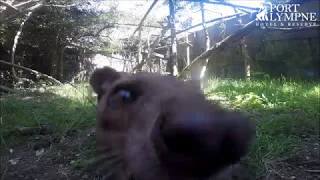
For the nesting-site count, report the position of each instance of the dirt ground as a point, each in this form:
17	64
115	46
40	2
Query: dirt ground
305	165
47	158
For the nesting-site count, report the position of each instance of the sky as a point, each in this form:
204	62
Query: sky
139	7
126	5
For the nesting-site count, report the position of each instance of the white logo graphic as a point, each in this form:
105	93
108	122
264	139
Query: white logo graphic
285	15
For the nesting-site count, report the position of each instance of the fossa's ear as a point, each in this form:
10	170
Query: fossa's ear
102	77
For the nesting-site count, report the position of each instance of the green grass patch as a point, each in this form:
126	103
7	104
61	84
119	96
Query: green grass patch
63	108
284	111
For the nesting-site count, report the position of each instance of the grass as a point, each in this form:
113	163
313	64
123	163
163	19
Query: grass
284	111
63	108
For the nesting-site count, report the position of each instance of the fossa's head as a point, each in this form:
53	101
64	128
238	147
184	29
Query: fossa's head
161	128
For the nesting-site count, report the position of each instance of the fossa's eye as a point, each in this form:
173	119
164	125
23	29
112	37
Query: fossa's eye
125	95
121	97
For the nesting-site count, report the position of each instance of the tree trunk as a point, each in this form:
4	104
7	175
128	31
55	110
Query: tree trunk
149	61
139	55
173	51
61	63
15	43
167	57
187	49
124	66
246	58
203	75
160	65
54	59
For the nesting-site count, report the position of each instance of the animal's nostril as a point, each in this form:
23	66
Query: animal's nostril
182	132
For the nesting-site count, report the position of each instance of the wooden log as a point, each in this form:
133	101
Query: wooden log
33	71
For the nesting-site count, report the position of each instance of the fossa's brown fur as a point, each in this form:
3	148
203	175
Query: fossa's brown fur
164	129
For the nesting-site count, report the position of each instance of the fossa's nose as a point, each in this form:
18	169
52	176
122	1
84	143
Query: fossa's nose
188	131
201	141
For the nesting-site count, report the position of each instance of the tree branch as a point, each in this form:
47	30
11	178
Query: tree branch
13	9
92	34
128	24
153	46
7	6
33	71
207	22
23	4
238	35
60	6
21	13
14	16
144	17
225	4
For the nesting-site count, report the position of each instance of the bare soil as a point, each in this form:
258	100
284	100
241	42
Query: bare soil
46	157
305	165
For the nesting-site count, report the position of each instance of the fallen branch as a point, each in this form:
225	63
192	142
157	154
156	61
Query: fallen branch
33	71
6	89
238	35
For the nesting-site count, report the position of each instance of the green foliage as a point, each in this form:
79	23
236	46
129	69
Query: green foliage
56	39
